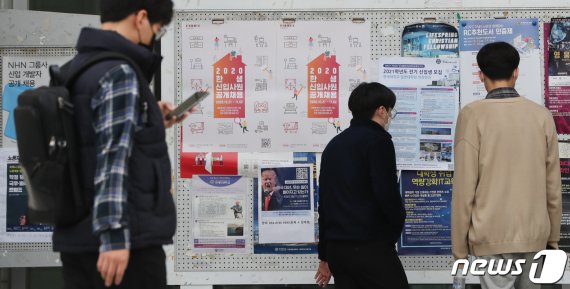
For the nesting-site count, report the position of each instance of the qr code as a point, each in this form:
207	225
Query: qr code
265	143
302	173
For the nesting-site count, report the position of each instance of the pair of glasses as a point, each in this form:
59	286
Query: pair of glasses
393	113
160	33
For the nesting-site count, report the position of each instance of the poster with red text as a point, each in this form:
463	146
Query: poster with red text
274	87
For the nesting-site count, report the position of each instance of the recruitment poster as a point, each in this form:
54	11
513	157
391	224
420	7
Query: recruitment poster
219	214
557	69
427	199
521	33
276	87
286	205
18	75
427	90
430	40
14	226
565	221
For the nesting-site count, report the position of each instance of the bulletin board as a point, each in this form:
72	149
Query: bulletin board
187	268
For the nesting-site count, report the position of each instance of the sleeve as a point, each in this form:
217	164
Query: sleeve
464	184
385	187
115	120
553	183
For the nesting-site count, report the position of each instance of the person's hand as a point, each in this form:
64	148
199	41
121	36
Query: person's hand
166	107
112	265
323	275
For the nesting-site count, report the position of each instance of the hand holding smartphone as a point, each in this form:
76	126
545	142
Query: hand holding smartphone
188	104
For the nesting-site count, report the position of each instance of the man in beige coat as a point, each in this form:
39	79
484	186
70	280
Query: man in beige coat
507	198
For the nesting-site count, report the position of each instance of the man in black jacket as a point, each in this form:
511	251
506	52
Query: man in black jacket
125	168
361	213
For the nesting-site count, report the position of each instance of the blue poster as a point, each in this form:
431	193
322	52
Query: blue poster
427	199
291	248
430	40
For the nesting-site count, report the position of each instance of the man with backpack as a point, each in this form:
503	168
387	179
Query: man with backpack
124	170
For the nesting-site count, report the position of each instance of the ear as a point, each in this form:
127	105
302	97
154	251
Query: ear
140	17
516	74
481	76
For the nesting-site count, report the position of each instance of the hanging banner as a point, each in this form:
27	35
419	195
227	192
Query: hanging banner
430	40
557	69
276	87
20	73
521	33
219	214
427	199
14	226
427	93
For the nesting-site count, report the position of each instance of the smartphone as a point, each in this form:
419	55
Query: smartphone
188	104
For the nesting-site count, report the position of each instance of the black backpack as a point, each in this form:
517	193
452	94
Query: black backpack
47	145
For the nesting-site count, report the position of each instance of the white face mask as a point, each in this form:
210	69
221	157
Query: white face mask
387	125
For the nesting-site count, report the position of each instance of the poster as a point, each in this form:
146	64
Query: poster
286	205
557	69
276	87
427	199
14	225
565	221
18	75
521	33
427	93
430	40
219	214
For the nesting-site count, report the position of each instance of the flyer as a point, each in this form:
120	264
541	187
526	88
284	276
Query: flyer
565	221
219	214
427	199
14	226
427	93
521	33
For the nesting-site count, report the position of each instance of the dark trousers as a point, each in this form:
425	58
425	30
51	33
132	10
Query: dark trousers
146	269
359	265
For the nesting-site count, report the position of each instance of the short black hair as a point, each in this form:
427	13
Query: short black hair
159	11
498	60
368	97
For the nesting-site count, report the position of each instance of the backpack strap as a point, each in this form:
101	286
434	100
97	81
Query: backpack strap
106	56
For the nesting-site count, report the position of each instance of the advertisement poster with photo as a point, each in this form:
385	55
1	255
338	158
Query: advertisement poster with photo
302	245
557	69
430	40
427	199
276	87
21	73
521	33
219	214
14	226
427	90
565	221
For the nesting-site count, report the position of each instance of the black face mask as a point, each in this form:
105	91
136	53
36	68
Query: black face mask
149	46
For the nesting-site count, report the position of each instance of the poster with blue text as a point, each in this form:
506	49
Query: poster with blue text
427	199
520	33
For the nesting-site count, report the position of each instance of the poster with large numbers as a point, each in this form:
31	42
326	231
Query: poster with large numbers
427	93
521	33
14	224
275	86
20	73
